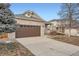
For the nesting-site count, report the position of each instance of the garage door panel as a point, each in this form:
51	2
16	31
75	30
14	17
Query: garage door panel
28	31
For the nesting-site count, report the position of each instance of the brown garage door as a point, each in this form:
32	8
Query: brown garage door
27	31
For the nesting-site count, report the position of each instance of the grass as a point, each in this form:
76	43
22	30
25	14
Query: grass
71	40
13	49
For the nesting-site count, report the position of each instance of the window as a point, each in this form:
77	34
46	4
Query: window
31	26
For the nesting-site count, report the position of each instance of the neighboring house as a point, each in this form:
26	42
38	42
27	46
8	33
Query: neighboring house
62	26
74	30
29	24
57	25
48	27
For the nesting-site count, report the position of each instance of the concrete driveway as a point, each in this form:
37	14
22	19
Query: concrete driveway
43	46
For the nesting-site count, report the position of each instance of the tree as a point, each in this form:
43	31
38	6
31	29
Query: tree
70	12
7	19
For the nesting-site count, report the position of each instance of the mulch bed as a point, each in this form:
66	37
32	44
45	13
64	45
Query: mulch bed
14	49
71	40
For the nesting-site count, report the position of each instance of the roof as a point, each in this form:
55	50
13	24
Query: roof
55	20
31	16
74	24
59	20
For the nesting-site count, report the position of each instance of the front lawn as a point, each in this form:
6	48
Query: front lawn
14	49
71	40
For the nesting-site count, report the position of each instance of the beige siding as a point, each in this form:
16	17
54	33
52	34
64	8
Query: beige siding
73	32
11	36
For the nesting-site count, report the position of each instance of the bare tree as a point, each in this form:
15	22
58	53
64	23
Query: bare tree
70	12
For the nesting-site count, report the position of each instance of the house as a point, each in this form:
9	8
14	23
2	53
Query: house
29	24
47	27
63	26
56	25
73	30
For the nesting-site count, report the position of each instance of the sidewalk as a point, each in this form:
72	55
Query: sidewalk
43	46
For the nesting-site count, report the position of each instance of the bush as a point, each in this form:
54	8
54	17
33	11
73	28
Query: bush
55	33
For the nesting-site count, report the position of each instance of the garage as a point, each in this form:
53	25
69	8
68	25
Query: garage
27	31
29	24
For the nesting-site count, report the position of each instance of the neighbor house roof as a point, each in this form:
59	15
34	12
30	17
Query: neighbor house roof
54	20
29	15
62	20
74	24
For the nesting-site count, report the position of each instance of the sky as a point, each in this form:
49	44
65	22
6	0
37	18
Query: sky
47	11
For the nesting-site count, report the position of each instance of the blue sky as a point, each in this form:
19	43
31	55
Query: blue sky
47	11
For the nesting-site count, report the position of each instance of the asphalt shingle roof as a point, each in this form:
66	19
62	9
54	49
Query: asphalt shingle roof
34	17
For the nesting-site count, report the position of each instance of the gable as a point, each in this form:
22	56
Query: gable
29	15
